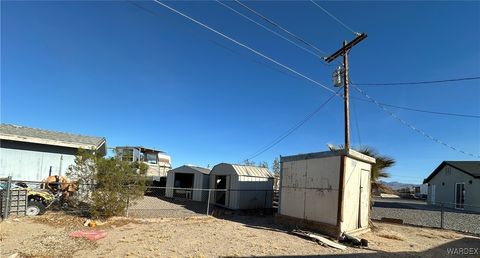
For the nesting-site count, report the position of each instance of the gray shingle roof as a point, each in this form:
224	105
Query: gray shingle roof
28	134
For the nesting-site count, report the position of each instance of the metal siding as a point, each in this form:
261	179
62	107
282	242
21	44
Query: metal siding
322	189
32	165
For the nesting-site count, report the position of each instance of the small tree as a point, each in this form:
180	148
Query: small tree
276	173
249	162
110	184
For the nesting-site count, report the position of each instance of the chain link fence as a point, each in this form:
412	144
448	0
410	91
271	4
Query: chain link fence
171	202
444	215
156	202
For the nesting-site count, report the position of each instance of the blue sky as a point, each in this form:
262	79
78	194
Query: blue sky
146	76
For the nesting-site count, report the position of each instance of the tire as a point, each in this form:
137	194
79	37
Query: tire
35	208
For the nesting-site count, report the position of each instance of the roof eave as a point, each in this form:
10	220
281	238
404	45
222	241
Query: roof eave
36	140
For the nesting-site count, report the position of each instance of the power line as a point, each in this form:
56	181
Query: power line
291	130
409	125
270	30
335	18
431	112
280	27
355	116
419	110
310	79
247	47
418	82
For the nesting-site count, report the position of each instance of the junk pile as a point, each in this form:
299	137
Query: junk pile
345	239
319	239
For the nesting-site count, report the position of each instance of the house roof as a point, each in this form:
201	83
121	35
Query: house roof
471	168
140	148
241	170
183	169
46	137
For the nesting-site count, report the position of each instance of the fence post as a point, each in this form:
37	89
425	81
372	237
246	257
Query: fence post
7	200
208	202
441	216
128	204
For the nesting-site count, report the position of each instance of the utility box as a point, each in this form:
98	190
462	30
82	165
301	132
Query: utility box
314	194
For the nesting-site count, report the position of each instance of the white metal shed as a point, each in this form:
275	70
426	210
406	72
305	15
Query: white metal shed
314	195
186	182
241	187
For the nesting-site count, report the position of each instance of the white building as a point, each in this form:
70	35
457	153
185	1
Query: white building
455	184
241	187
158	162
314	195
30	154
190	179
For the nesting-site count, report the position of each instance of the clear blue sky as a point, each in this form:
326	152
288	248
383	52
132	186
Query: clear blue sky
150	77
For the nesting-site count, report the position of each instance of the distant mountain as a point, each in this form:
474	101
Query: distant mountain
397	185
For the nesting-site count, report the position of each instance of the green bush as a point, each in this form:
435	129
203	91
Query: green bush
108	185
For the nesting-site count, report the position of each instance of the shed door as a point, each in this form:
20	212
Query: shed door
363	210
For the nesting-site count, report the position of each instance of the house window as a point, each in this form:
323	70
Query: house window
151	158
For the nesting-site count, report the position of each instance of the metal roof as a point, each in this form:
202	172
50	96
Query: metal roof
342	152
183	169
41	136
471	168
242	170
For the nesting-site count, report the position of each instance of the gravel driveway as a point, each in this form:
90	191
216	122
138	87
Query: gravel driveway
153	207
428	216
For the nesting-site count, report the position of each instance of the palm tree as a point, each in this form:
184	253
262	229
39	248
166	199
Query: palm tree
379	169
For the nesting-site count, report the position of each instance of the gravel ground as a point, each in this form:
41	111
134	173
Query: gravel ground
163	207
464	222
229	236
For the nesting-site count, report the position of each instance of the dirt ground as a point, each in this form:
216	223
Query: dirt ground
231	236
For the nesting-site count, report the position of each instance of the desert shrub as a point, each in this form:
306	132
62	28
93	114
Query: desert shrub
107	184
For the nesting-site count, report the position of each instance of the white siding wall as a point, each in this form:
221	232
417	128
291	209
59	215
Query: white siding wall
309	189
32	165
445	183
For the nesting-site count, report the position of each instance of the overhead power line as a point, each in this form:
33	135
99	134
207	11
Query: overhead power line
247	47
310	79
409	125
417	109
291	130
272	22
272	31
419	82
336	19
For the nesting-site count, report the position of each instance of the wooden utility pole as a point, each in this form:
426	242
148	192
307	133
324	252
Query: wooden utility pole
346	109
344	52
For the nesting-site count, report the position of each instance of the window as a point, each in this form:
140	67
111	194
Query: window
151	158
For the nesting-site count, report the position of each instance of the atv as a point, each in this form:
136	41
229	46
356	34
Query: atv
38	201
